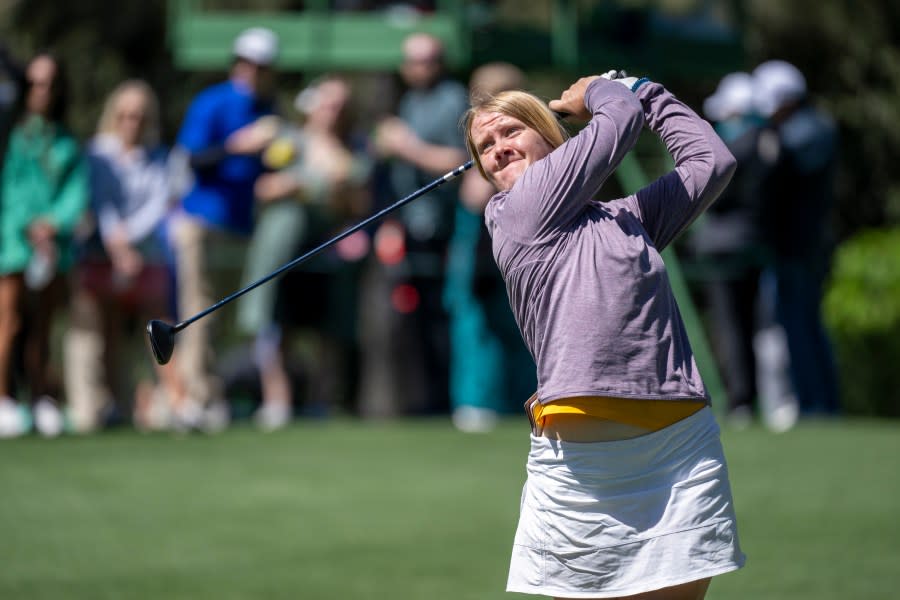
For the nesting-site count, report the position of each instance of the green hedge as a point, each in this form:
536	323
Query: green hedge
862	311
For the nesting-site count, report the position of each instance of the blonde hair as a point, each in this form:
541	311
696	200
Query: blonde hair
527	108
149	128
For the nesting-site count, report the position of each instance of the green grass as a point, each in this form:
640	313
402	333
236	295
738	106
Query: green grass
412	509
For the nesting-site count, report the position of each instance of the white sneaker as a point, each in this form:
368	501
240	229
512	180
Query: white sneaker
187	416
740	418
783	418
273	415
11	422
474	419
48	418
216	417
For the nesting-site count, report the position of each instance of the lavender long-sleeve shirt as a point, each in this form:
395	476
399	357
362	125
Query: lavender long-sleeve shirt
586	282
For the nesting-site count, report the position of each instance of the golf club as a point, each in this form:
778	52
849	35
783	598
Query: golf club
162	334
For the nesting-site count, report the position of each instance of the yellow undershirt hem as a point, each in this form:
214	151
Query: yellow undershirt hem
649	414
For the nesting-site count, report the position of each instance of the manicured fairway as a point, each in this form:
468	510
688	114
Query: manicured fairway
408	510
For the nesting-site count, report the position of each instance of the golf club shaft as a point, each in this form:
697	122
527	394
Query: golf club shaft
424	190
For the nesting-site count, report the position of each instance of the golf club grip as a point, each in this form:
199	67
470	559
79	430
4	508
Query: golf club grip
421	191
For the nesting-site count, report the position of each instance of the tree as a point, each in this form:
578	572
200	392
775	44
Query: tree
850	55
102	43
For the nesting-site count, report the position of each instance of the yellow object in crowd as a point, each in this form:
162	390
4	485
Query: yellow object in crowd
279	154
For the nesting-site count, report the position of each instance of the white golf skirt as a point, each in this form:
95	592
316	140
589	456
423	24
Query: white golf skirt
606	519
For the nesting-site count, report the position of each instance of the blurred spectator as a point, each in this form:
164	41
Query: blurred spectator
121	274
317	182
44	194
730	241
801	192
491	370
223	135
12	82
406	347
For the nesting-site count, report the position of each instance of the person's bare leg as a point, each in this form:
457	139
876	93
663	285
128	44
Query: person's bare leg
694	590
277	391
11	287
41	378
195	293
83	371
268	354
118	379
276	384
156	400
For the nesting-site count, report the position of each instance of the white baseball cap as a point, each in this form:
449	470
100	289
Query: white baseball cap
257	45
777	84
733	96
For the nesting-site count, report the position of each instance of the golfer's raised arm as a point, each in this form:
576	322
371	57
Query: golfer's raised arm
564	181
703	167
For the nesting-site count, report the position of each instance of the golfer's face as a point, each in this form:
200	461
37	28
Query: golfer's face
506	147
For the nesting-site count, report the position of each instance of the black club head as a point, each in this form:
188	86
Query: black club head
162	340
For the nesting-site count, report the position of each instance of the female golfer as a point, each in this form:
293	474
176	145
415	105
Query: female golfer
627	492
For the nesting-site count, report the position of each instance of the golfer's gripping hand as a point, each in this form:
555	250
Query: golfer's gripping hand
571	102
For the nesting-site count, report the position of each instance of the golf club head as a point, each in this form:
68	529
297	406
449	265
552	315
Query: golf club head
162	340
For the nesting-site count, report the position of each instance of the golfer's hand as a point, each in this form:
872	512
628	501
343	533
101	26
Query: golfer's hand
632	83
571	102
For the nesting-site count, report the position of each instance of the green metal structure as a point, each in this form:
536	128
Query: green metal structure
576	37
315	39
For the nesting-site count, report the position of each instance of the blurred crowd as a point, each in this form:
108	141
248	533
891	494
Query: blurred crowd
763	248
406	317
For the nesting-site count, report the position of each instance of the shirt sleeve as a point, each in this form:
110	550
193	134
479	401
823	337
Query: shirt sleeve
155	191
554	190
71	197
198	128
703	167
106	194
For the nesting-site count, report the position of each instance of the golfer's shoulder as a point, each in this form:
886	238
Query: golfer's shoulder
513	221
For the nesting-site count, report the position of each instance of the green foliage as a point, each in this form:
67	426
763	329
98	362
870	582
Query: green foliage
862	310
102	45
851	60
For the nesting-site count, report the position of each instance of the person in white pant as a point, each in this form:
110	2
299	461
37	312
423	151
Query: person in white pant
122	270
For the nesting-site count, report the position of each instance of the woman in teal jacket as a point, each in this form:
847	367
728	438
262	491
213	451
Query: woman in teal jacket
42	198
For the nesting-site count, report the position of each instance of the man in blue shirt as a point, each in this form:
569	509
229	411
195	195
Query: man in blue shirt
223	133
